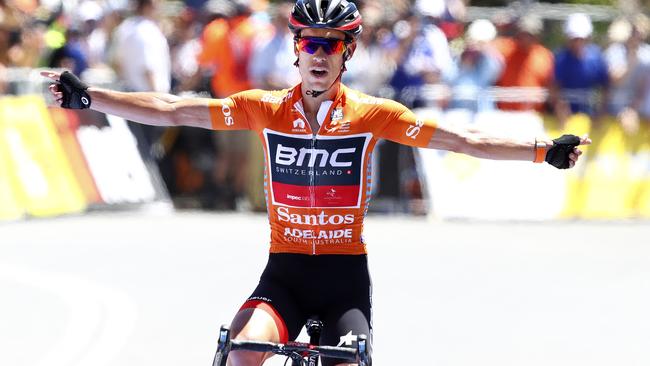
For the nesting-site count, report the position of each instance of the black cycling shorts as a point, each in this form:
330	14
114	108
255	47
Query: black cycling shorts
335	289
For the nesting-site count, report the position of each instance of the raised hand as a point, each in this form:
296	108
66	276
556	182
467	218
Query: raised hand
565	151
68	90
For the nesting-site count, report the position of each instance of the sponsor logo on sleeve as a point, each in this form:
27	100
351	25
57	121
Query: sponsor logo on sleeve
414	131
365	99
227	113
272	98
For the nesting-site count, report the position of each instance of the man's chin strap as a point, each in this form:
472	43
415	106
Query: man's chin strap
317	93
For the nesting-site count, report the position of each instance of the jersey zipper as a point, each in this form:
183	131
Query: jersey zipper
312	183
312	169
312	175
314	142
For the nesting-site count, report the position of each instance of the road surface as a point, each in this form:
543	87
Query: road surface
136	289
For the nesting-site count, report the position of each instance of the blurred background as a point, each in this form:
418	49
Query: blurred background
524	68
123	244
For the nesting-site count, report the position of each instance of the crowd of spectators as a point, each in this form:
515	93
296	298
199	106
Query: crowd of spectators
423	53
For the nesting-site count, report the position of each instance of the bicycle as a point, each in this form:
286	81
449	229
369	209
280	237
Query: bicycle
300	354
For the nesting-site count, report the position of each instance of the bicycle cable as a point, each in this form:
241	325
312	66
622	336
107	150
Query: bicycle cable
291	357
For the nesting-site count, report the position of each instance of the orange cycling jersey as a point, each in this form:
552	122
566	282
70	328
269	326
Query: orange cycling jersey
317	186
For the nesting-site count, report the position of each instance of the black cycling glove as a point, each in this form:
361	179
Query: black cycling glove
558	154
74	91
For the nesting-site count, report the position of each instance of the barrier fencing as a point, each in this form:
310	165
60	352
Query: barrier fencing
611	181
55	161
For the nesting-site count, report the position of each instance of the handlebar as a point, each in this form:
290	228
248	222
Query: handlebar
295	350
349	354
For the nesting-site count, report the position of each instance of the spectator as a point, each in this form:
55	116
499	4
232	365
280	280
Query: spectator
102	39
11	17
19	44
452	21
143	63
5	35
527	64
11	22
5	45
89	17
479	65
30	49
227	45
185	47
628	61
141	50
271	68
70	56
362	71
580	71
423	55
271	65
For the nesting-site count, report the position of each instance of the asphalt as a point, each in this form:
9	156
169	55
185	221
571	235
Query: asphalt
148	288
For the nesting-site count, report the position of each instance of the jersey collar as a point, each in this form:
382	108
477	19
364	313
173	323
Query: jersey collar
338	102
340	98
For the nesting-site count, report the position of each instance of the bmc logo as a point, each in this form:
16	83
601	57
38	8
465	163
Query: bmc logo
290	156
227	115
323	171
414	131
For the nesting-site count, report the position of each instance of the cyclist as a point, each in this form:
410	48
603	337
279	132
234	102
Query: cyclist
317	139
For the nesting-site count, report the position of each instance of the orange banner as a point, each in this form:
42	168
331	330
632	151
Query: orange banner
67	122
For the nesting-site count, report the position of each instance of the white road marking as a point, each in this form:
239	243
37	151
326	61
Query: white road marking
100	319
467	293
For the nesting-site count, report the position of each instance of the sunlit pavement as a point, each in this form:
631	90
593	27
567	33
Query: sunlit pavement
140	289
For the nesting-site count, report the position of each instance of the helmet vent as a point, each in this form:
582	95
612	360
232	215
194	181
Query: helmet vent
341	15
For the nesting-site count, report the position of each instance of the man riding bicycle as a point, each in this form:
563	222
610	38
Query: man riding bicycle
317	137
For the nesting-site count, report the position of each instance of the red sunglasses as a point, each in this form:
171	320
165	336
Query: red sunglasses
331	46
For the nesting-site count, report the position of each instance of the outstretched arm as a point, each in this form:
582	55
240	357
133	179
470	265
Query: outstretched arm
397	123
481	144
156	109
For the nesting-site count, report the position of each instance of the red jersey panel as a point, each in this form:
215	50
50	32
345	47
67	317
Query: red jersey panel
317	186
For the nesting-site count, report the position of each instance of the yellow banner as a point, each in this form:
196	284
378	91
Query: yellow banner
10	208
639	196
612	179
41	178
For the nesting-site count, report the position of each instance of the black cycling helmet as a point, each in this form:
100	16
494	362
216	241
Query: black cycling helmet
340	15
